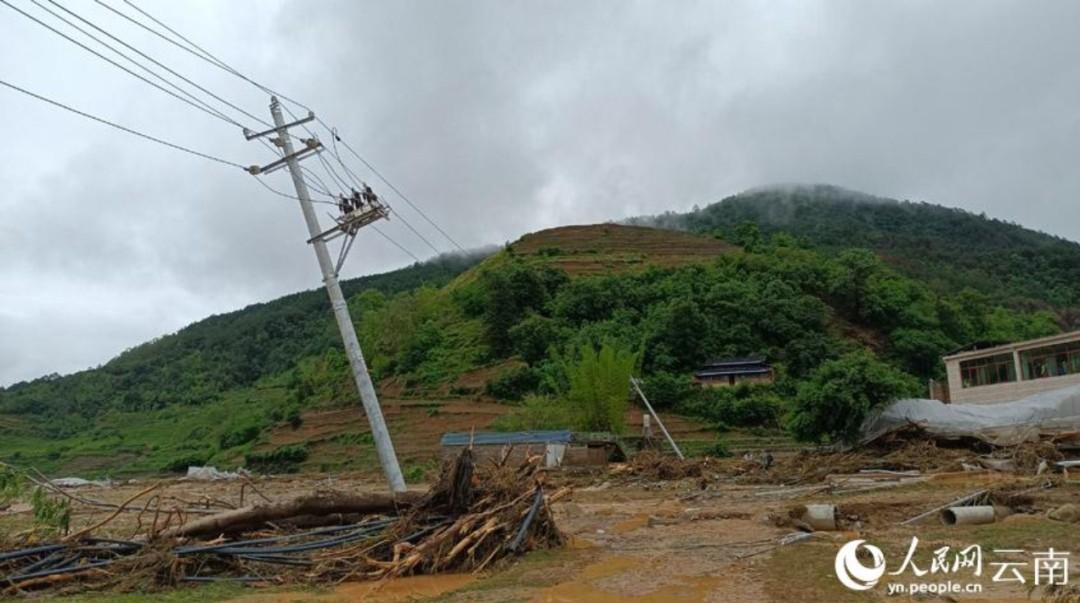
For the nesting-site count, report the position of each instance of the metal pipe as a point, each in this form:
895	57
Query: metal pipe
965	516
820	517
670	440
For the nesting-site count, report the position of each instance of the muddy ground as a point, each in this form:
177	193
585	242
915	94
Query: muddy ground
711	537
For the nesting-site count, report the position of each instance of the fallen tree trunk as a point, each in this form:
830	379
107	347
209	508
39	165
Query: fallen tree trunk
317	504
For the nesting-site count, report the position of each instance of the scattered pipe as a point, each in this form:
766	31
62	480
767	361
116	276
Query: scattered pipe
960	501
964	516
520	537
820	517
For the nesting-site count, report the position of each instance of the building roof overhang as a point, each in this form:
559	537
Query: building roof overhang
1018	346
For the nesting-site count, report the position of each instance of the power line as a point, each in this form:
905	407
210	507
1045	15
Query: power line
209	57
202	53
391	185
172	31
121	128
338	181
355	179
286	195
398	245
323	189
110	61
206	107
154	61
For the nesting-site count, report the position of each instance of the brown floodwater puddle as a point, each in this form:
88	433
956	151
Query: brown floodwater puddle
584	587
389	591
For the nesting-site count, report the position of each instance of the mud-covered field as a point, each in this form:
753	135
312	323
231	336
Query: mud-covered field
713	535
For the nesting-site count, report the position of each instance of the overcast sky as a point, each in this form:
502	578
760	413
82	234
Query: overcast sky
497	118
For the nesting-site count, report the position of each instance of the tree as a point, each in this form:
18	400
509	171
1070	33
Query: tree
511	293
598	385
833	403
533	336
667	390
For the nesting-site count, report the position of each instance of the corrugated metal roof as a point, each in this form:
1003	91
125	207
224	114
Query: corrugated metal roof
726	362
733	371
495	438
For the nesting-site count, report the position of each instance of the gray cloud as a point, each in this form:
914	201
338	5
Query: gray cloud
500	118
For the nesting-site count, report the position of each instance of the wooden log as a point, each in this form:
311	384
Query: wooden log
319	504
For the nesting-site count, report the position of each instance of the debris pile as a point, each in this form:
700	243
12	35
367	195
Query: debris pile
655	466
472	519
921	455
465	523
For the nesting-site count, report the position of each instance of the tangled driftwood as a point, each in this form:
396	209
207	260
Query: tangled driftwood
472	518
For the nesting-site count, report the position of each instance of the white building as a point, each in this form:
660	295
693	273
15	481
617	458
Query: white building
1013	371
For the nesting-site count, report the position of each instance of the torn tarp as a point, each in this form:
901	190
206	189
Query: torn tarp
1044	414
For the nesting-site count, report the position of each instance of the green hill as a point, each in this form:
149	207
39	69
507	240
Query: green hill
199	363
947	248
785	275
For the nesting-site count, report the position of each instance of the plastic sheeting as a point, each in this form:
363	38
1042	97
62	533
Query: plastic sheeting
210	474
1002	424
78	482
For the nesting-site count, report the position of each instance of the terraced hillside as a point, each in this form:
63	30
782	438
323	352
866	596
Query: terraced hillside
605	248
340	439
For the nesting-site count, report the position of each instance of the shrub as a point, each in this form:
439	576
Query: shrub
181	463
741	406
294	419
833	403
285	459
51	514
513	384
360	438
667	390
239	436
538	413
718	449
416	473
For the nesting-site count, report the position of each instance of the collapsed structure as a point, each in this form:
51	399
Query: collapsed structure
1048	415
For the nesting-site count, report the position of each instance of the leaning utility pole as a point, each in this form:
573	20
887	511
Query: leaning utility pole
347	226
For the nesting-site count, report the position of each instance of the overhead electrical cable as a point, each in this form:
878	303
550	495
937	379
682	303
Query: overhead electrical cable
287	195
205	55
120	127
200	53
156	62
202	104
398	245
391	185
114	63
211	58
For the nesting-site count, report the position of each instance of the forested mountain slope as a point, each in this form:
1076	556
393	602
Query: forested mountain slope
198	363
947	248
829	286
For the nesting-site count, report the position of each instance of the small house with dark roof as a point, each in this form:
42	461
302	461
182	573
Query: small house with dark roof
727	372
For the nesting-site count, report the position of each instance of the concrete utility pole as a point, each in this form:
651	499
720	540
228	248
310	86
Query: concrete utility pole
383	446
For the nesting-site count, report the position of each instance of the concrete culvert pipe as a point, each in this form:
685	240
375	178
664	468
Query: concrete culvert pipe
964	516
820	517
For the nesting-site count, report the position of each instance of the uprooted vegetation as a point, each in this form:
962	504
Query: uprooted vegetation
475	517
